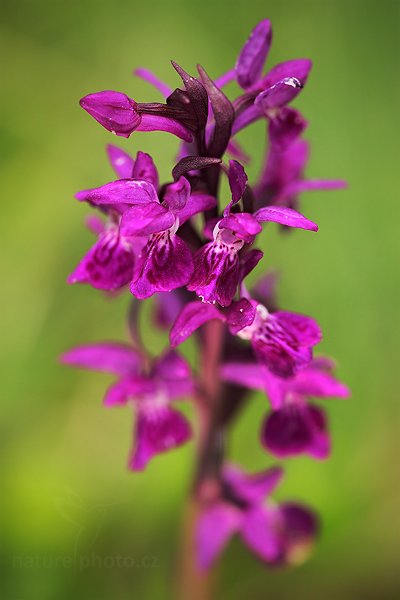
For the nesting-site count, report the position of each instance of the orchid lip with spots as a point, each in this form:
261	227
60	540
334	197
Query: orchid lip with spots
187	250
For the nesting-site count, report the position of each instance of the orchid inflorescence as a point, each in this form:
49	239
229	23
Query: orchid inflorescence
176	243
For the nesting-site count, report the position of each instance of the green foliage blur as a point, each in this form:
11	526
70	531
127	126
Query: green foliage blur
75	523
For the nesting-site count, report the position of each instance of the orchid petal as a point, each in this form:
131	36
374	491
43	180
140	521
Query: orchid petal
285	216
118	359
193	316
146	219
121	161
113	110
121	191
253	54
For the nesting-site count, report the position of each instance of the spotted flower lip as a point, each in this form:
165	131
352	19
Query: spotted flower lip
159	427
267	529
121	115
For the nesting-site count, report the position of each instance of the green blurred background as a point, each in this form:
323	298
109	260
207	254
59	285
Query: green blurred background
66	492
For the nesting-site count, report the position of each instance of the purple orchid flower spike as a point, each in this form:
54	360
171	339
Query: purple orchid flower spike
294	426
121	115
158	427
180	242
266	528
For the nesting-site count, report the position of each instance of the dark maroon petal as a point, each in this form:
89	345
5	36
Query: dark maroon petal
286	127
191	163
120	161
122	191
108	265
145	169
158	429
198	99
193	316
253	54
237	182
278	95
223	113
165	264
146	219
113	110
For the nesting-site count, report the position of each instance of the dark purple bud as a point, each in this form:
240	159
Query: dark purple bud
190	163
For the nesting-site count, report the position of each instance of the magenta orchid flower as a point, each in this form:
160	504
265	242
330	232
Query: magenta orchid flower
151	391
294	426
276	533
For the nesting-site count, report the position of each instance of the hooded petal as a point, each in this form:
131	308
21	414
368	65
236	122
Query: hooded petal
122	191
244	225
240	314
285	216
145	170
108	265
145	219
158	429
165	264
193	316
253	54
296	429
215	526
120	161
113	110
118	359
177	194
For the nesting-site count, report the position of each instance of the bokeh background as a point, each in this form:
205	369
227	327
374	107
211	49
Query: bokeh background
66	492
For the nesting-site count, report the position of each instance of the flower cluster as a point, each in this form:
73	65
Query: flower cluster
192	251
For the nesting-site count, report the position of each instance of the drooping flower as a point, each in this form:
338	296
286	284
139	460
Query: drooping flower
150	389
276	533
294	426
